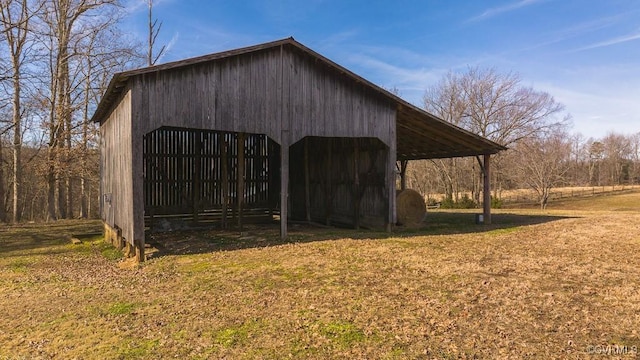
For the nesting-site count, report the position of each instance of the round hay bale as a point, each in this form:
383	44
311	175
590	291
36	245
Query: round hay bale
411	208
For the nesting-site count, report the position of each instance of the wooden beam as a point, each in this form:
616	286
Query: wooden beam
139	246
307	191
486	195
403	174
329	185
284	184
225	177
240	177
196	195
356	183
390	181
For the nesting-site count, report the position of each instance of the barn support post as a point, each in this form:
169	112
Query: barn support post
329	182
284	183
240	177
486	193
390	181
403	174
356	184
225	178
197	174
307	195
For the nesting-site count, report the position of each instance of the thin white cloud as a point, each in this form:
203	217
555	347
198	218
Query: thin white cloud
503	9
411	82
614	41
596	112
168	47
133	6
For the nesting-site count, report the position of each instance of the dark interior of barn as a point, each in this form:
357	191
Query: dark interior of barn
191	179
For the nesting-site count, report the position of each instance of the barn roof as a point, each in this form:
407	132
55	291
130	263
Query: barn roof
420	135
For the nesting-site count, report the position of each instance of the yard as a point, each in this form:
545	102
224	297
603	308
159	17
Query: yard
564	283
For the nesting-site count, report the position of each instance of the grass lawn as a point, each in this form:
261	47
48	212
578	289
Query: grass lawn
563	283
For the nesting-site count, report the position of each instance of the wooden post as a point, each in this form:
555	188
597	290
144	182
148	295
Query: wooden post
486	194
390	180
284	183
307	195
356	184
197	174
403	174
139	245
225	178
329	185
240	177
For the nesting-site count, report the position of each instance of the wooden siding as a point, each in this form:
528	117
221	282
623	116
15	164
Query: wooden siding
116	165
282	92
196	171
344	179
264	92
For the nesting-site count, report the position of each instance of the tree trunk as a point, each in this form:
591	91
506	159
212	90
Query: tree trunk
3	211
17	147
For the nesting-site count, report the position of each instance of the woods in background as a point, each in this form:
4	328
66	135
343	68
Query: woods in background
542	155
57	59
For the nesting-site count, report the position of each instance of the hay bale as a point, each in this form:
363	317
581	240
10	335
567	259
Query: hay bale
411	208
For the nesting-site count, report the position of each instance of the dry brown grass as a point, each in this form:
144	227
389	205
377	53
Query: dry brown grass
533	285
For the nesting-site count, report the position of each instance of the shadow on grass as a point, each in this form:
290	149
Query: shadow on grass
20	239
199	241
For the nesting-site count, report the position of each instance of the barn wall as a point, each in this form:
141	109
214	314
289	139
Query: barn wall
319	101
264	92
116	179
345	184
282	92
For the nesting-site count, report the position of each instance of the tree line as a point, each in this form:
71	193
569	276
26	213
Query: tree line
542	153
57	57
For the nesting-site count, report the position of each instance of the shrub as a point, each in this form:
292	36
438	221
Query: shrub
496	203
464	203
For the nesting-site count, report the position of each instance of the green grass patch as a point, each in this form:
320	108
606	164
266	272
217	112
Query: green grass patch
235	335
138	348
19	265
121	308
342	333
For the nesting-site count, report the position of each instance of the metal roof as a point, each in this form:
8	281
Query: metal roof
420	135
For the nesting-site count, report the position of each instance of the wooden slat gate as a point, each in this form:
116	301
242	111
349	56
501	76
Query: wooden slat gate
195	174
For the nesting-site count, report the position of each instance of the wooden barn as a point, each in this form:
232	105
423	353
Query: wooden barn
273	131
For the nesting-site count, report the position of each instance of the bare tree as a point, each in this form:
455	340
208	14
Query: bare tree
67	23
544	161
618	150
15	16
154	31
496	106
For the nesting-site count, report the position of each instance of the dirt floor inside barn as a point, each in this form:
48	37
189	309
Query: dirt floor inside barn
563	283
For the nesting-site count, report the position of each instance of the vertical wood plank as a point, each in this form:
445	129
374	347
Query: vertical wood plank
284	184
307	195
356	183
225	178
240	177
329	184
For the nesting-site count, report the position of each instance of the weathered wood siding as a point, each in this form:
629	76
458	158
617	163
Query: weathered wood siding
264	92
116	165
282	92
188	171
346	181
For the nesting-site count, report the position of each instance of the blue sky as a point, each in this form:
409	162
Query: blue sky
586	53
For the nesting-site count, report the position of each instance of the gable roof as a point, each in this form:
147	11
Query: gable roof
420	135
